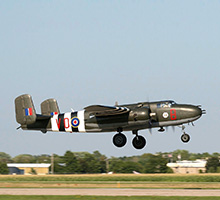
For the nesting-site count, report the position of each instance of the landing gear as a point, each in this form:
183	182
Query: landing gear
138	142
119	140
185	137
161	129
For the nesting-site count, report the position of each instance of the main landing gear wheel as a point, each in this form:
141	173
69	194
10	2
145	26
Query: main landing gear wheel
119	140
185	138
139	142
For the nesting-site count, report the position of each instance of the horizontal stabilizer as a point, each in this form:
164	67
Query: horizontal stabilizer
49	107
99	110
24	109
43	117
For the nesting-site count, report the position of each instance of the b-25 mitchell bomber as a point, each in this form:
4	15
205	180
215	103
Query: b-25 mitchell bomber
99	118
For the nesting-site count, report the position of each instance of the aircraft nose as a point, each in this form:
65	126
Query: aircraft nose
197	111
192	111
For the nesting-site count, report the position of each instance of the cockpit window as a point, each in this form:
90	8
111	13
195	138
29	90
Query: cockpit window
172	102
165	104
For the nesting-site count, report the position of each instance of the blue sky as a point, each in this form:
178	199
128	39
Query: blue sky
99	52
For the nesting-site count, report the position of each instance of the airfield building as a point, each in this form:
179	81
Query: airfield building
28	168
188	167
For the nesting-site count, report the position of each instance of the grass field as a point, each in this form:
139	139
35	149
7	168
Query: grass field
27	197
201	181
115	177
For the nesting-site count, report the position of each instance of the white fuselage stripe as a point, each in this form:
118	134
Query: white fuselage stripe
67	122
81	117
54	123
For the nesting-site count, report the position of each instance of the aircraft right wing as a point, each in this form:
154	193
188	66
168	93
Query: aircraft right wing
101	111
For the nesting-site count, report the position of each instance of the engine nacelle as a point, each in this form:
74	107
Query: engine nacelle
142	113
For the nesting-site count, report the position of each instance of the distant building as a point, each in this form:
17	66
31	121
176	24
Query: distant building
28	168
188	167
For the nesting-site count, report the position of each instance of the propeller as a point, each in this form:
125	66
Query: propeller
150	121
150	125
167	128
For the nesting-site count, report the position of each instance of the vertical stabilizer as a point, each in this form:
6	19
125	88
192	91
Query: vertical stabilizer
24	109
49	107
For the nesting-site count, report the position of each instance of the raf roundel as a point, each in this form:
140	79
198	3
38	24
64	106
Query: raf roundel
165	115
75	122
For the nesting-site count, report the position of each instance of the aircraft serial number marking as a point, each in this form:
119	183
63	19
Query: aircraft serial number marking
66	123
173	114
58	123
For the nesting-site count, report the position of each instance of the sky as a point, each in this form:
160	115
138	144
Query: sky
98	52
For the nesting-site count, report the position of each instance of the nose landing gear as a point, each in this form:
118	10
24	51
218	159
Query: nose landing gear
185	137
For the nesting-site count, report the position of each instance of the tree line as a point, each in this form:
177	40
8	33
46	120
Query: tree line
91	163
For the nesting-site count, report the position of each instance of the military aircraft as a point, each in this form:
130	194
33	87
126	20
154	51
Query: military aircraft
100	118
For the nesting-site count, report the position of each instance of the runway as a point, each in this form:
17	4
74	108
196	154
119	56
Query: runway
109	192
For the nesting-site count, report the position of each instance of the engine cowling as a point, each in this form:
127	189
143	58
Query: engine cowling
142	113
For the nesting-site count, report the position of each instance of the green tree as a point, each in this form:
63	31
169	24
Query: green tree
156	164
212	165
205	155
89	164
25	158
71	163
3	168
44	158
144	158
216	154
119	166
59	164
184	155
116	166
4	157
102	161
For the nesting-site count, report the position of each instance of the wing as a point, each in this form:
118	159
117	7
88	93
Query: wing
101	111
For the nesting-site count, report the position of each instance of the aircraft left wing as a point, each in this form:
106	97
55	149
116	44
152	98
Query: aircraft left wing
101	111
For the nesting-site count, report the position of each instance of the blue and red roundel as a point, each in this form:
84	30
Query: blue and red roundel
75	122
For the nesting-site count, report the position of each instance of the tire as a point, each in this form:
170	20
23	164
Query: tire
185	138
139	142
119	140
